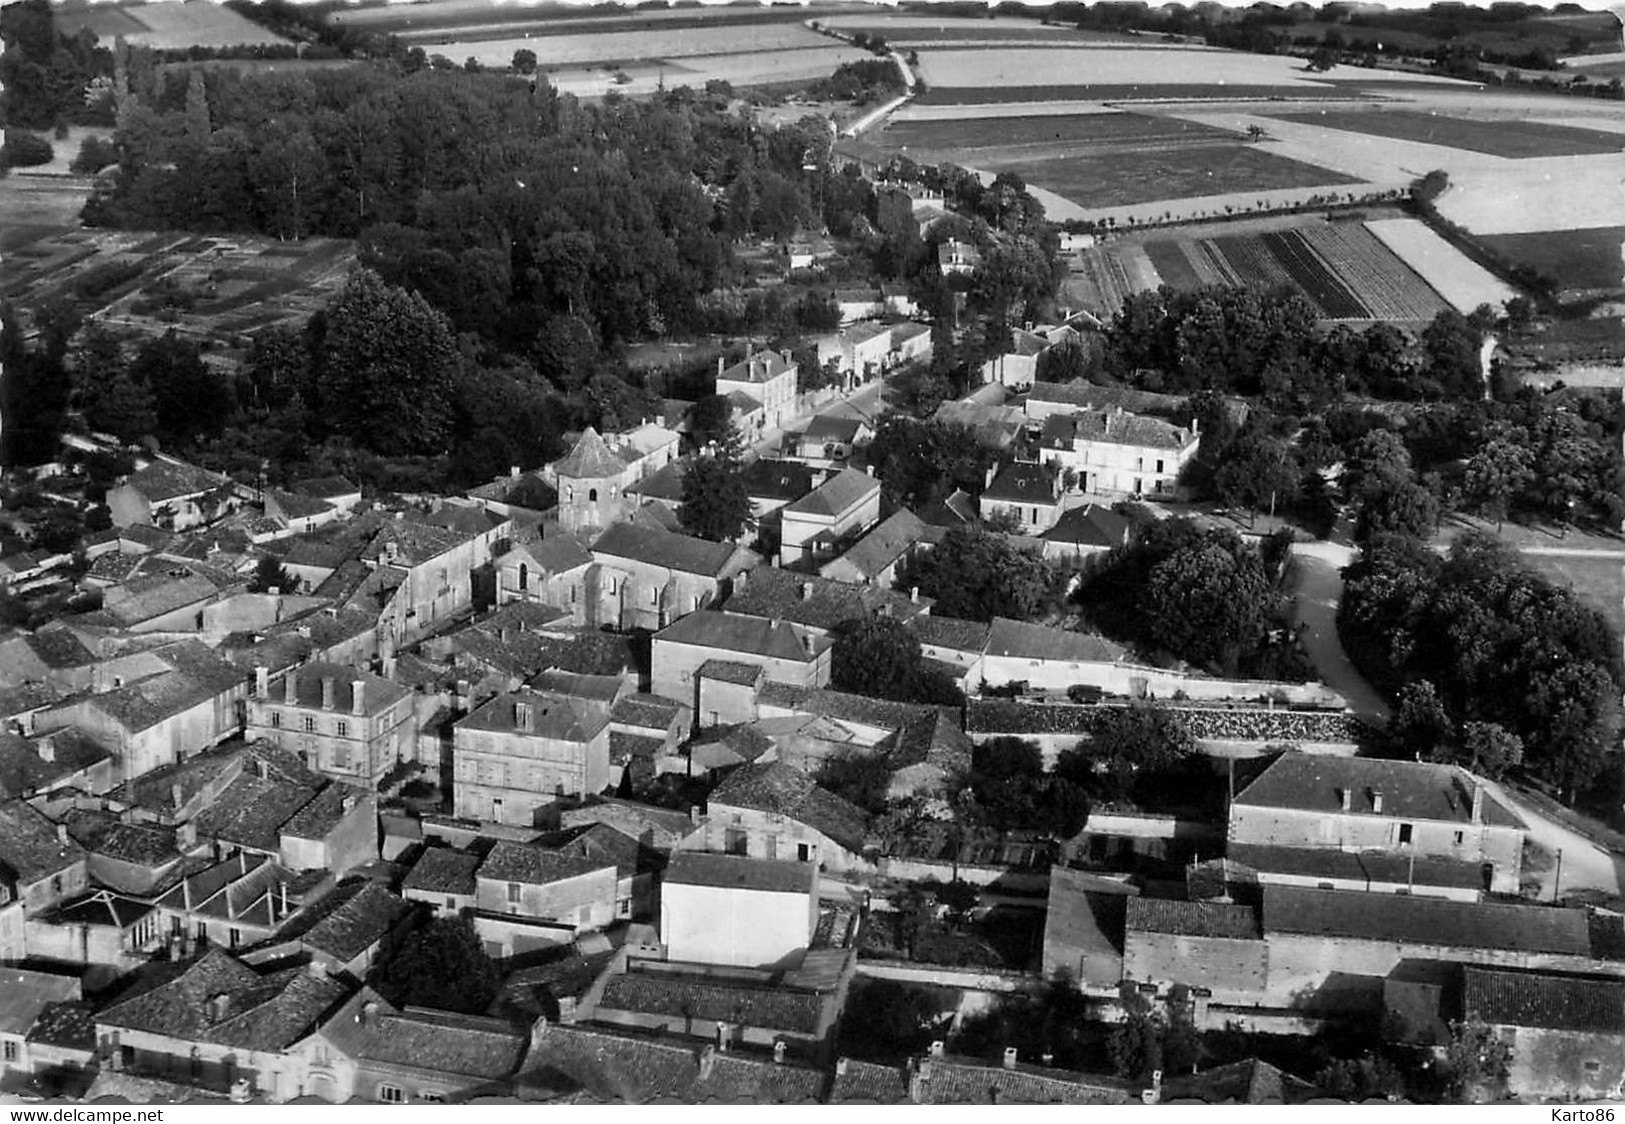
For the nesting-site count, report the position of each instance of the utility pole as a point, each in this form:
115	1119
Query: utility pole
1557	875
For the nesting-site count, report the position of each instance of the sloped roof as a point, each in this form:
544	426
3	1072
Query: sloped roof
649	712
861	1082
1022	483
1409	919
657	547
1549	1000
1249	1081
660	993
534	865
777	480
1193	919
25	994
1388	867
556	554
24	770
377	693
816	601
552	715
1089	525
659	827
758	367
779	789
844	490
267	1013
295	506
414	542
950	632
443	870
890	539
29	844
152	595
1117	427
441	1042
1083	394
252	809
590	459
1410	790
748	635
351	919
778	876
1021	640
326	487
166	480
963	1081
840	705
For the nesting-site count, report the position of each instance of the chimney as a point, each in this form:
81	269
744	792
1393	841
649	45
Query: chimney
218	1006
318	970
918	1080
358	696
62	834
513	472
778	1052
694	813
328	688
721	366
521	716
567	1010
347	804
176	797
806	591
369	1014
389	667
262	682
936	1048
723	1034
290	687
840	1067
1009	1057
282	899
1348	798
262	768
1478	803
46	748
1376	801
185	836
914	594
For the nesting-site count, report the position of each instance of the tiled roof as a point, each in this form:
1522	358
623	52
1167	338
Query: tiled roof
69	1025
1193	919
152	595
1115	427
140	844
660	993
1021	640
28	697
590	459
378	694
443	870
826	427
1086	395
1410	919
155	791
552	715
251	811
558	554
1089	525
666	483
324	812
536	866
1549	1000
860	1082
25	994
408	542
746	635
266	1013
295	506
844	490
890	539
659	827
817	602
462	520
956	1081
1249	1081
428	1041
164	480
1361	866
326	487
649	712
778	789
758	367
933	739
1409	790
993	426
1022	483
602	843
348	921
731	671
29	844
698	868
949	632
58	647
655	547
732	1078
840	705
23	770
743	401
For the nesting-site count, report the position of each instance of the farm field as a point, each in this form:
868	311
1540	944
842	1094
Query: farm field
1344	271
1109	179
1577	259
566	50
742	69
1094	66
922	30
1104	128
396	18
167	26
1462	282
1120	92
1514	140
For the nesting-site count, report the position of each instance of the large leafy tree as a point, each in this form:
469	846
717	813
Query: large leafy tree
1209	602
386	367
880	657
975	575
716	502
441	965
1129	747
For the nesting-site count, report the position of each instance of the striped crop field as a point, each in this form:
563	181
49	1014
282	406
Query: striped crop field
1342	269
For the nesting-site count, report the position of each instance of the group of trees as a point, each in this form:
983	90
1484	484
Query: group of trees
1205	597
1492	663
48	79
974	574
880	657
860	82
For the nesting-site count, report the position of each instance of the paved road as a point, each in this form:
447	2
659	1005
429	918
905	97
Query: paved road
1318	586
1586	866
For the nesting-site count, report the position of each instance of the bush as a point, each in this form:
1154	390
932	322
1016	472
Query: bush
25	150
94	155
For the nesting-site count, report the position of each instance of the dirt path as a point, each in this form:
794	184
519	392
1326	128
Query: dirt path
1317	588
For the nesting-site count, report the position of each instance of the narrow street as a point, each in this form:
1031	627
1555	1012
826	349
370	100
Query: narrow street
1317	589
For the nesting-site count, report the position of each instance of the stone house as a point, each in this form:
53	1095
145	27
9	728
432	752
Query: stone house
785	653
648	578
528	880
1115	452
738	911
171	495
769	378
772	811
339	721
523	750
817	526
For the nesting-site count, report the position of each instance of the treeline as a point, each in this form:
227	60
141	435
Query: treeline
46	78
1492	665
860	82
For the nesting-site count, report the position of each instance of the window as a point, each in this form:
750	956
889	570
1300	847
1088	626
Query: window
770	850
524	576
391	1094
803	852
432	1098
513	891
341	728
592	495
1404	834
1460	835
276	720
341	752
10	1050
236	937
451	903
1159	467
202	930
310	724
623	908
56	884
1591	1066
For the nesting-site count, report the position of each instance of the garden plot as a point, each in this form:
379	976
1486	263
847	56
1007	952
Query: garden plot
1509	139
1085	66
625	46
1456	278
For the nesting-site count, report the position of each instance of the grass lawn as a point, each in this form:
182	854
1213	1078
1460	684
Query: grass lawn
1510	139
1114	179
1578	259
1218	91
1000	132
1598	580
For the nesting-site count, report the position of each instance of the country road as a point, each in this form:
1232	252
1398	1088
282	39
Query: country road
1317	588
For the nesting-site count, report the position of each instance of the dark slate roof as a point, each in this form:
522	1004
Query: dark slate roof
648	712
779	789
557	554
252	810
947	1080
602	844
324	812
777	480
443	870
844	490
933	739
659	827
655	547
890	539
1023	484
346	922
747	635
660	993
1089	525
698	868
1409	919
757	367
1021	640
1549	1000
326	487
163	480
817	602
733	1078
377	693
70	1026
731	671
1365	866
1084	395
267	1013
443	1042
618	1067
29	845
24	770
552	715
840	705
536	866
1410	790
1117	427
591	458
1249	1081
1193	919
